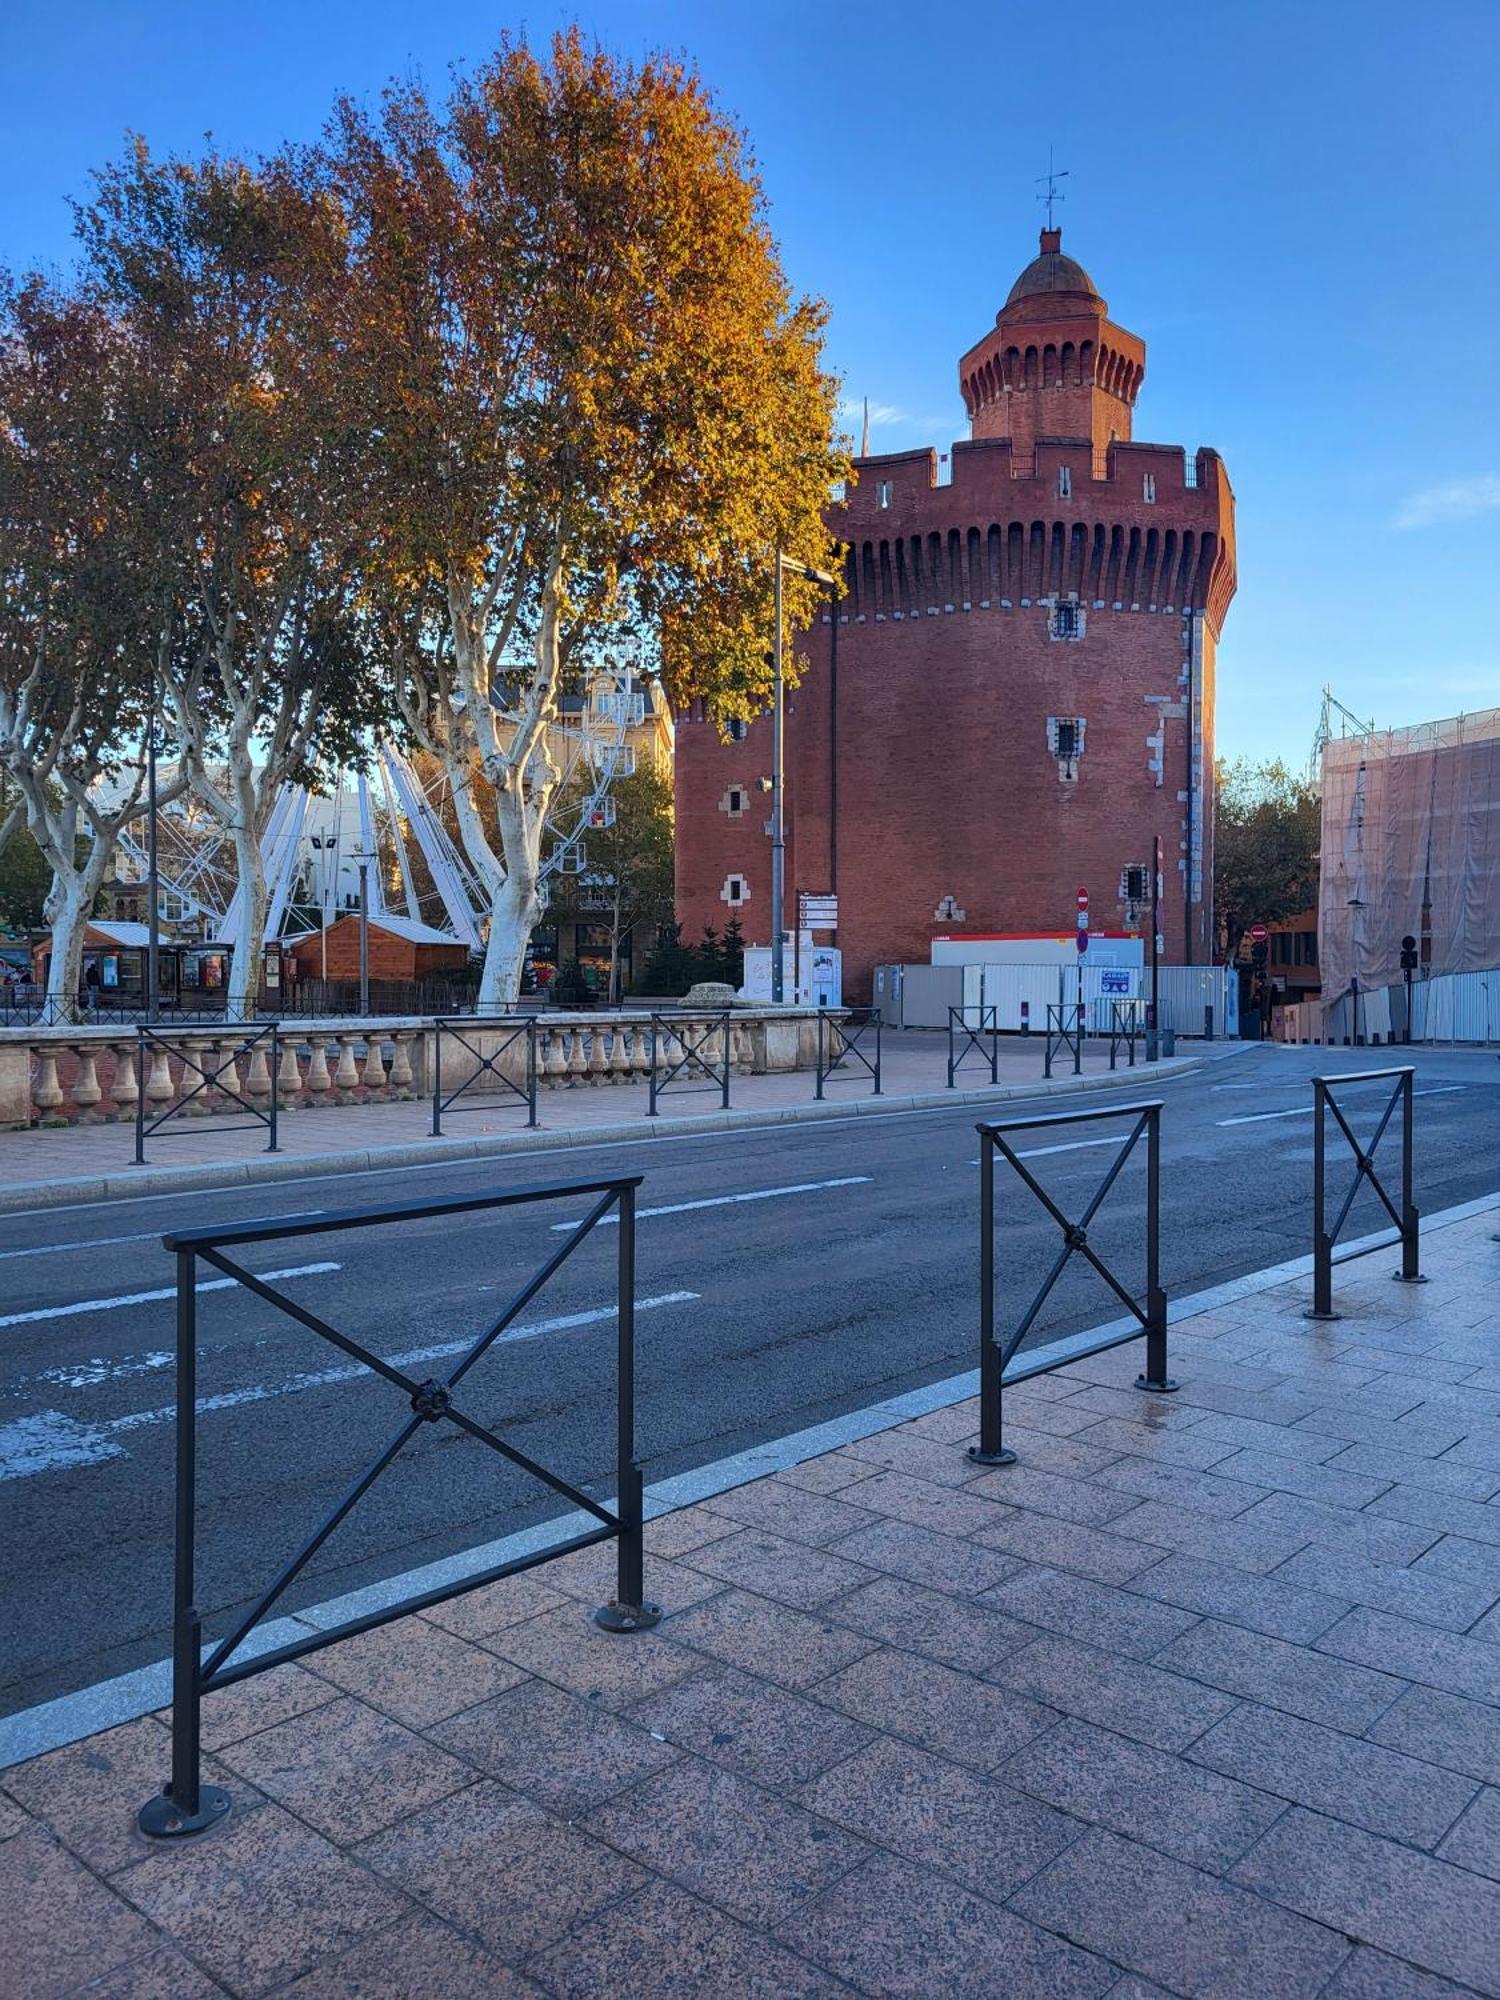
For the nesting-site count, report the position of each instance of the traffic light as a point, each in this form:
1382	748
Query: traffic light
1408	953
1258	953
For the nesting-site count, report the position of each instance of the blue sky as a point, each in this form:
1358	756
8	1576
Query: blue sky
1297	207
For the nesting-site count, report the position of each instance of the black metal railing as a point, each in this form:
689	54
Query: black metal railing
849	1047
210	1062
967	1039
185	1805
996	1348
1124	1026
1405	1218
684	1047
1064	1032
514	1028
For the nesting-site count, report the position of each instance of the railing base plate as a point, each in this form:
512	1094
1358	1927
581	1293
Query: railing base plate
1401	1278
1163	1388
627	1617
1313	1313
161	1819
1005	1456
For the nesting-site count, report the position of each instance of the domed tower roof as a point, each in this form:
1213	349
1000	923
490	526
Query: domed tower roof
1051	271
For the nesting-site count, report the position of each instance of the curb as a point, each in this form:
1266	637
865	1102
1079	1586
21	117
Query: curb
261	1168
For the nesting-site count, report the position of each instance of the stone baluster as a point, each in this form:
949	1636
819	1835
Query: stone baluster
373	1074
319	1082
198	1064
227	1078
555	1062
86	1091
159	1087
401	1079
346	1076
598	1061
124	1090
258	1077
619	1054
288	1076
48	1095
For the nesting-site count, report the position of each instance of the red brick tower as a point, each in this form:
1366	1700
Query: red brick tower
1016	696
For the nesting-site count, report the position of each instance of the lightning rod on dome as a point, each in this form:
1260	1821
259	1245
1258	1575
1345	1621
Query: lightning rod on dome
1052	176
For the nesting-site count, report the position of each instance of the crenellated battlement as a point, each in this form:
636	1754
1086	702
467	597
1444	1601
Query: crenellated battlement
1152	528
998	472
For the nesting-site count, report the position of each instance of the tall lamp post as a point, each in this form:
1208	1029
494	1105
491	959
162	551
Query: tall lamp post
363	858
153	880
785	564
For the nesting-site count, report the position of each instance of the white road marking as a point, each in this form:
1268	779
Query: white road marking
88	1243
1305	1110
725	1200
125	1299
1073	1146
49	1440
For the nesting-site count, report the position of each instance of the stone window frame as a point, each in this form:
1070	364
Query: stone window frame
728	805
735	892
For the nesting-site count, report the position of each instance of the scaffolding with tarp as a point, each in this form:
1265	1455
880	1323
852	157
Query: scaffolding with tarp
1410	848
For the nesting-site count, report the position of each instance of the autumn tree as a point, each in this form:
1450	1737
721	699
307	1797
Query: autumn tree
227	282
79	632
1266	828
595	410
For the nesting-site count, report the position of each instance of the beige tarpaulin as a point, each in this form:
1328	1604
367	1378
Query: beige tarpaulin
1411	823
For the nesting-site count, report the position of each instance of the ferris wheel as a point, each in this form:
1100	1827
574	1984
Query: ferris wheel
397	811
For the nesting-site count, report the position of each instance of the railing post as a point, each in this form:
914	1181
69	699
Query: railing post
990	1449
651	1075
629	1612
728	1018
1410	1272
437	1078
275	1073
531	1071
950	1048
140	1102
1155	1378
818	1087
1078	1041
185	1805
878	1024
1322	1305
1047	1049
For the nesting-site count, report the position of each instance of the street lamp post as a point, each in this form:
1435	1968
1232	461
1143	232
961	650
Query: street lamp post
153	880
778	774
364	933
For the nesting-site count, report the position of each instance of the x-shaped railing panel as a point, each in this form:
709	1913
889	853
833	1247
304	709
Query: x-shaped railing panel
997	1349
692	1061
1405	1218
210	1074
973	1040
842	1040
488	1064
186	1805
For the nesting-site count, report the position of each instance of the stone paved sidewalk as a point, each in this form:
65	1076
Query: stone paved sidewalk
1201	1697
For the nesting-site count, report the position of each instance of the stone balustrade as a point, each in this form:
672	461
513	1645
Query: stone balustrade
51	1077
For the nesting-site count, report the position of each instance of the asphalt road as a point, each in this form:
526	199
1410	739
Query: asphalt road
793	1273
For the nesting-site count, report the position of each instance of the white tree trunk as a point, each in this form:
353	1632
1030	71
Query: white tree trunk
515	905
513	914
244	963
67	910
